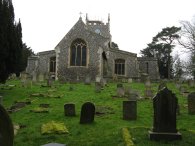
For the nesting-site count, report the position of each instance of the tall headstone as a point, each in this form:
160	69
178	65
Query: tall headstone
6	128
164	124
130	110
191	103
87	113
69	109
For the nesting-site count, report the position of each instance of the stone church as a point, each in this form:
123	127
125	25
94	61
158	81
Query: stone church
87	50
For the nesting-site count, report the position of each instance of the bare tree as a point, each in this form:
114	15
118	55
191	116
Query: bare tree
187	34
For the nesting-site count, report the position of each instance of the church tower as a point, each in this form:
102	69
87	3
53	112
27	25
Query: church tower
99	27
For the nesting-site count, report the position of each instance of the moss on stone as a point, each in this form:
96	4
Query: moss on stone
127	137
54	127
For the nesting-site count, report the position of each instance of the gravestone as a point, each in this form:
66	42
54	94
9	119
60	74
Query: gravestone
41	77
128	90
6	128
162	85
49	82
98	87
98	79
130	110
69	109
130	80
34	76
1	100
191	103
88	80
120	92
191	83
164	123
87	113
133	96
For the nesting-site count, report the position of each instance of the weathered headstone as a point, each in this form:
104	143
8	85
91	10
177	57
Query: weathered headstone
162	85
34	76
120	92
133	96
164	123
98	87
49	82
28	81
6	128
130	80
128	90
130	110
191	83
41	77
98	79
87	113
69	109
191	103
88	80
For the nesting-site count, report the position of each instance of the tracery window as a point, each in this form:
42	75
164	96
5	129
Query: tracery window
78	53
52	64
120	67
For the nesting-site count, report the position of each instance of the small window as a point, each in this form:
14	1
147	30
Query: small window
120	66
78	53
52	64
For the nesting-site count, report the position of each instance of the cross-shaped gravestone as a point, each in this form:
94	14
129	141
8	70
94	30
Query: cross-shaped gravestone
164	125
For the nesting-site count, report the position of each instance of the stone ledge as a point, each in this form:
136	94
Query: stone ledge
164	136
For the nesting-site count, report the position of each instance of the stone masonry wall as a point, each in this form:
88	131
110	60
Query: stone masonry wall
131	66
153	69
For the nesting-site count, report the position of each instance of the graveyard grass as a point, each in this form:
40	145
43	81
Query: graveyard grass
106	130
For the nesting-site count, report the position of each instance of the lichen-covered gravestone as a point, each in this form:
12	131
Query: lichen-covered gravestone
6	128
164	124
120	90
130	110
87	113
191	103
98	87
69	109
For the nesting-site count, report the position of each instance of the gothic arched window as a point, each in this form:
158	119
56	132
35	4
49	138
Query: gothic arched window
52	66
119	67
78	53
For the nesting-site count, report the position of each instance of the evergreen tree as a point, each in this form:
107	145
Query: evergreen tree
161	48
10	41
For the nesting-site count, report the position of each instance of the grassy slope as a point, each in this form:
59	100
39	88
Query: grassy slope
105	131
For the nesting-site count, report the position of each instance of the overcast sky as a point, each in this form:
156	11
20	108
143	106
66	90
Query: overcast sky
133	22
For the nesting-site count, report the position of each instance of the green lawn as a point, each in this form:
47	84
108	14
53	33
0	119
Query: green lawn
105	131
